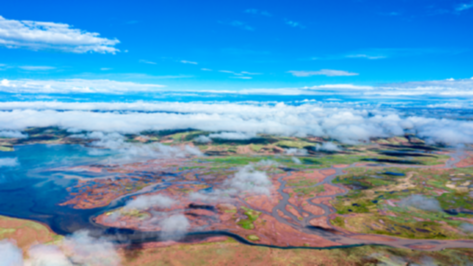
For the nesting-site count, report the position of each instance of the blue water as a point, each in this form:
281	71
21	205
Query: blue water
30	191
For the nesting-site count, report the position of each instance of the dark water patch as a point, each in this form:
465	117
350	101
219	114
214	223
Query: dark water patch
390	161
416	147
202	207
404	154
287	169
320	228
393	173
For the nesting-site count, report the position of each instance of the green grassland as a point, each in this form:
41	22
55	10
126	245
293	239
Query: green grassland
363	207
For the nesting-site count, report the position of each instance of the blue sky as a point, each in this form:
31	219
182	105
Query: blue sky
221	45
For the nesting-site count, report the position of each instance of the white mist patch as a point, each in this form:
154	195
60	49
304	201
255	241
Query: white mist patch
8	162
47	255
174	227
12	134
327	146
233	135
296	160
85	250
202	139
146	202
248	180
115	141
344	123
10	254
420	202
295	151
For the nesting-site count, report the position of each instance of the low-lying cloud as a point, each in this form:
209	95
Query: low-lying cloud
12	134
344	124
145	202
233	135
327	146
420	202
77	249
174	227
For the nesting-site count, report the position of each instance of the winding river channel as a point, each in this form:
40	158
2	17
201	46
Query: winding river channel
26	193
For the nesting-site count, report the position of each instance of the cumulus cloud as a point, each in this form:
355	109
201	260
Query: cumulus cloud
189	62
115	141
37	35
77	249
295	151
47	255
327	146
323	72
257	12
202	139
174	227
75	86
37	68
296	160
10	254
420	202
467	227
345	124
145	202
248	180
8	162
12	134
232	135
85	250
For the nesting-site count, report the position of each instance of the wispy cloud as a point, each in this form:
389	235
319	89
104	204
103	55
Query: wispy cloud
371	57
75	86
258	12
464	6
239	73
147	62
36	35
241	25
188	62
294	24
105	68
206	69
323	72
242	77
37	68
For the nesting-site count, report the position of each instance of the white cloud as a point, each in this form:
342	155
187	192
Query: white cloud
202	139
75	86
12	134
36	35
77	249
420	202
324	72
174	227
145	202
328	146
37	68
205	69
341	122
294	24
232	135
242	77
147	62
8	162
241	25
116	142
464	6
371	57
258	12
189	62
248	180
105	68
10	254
